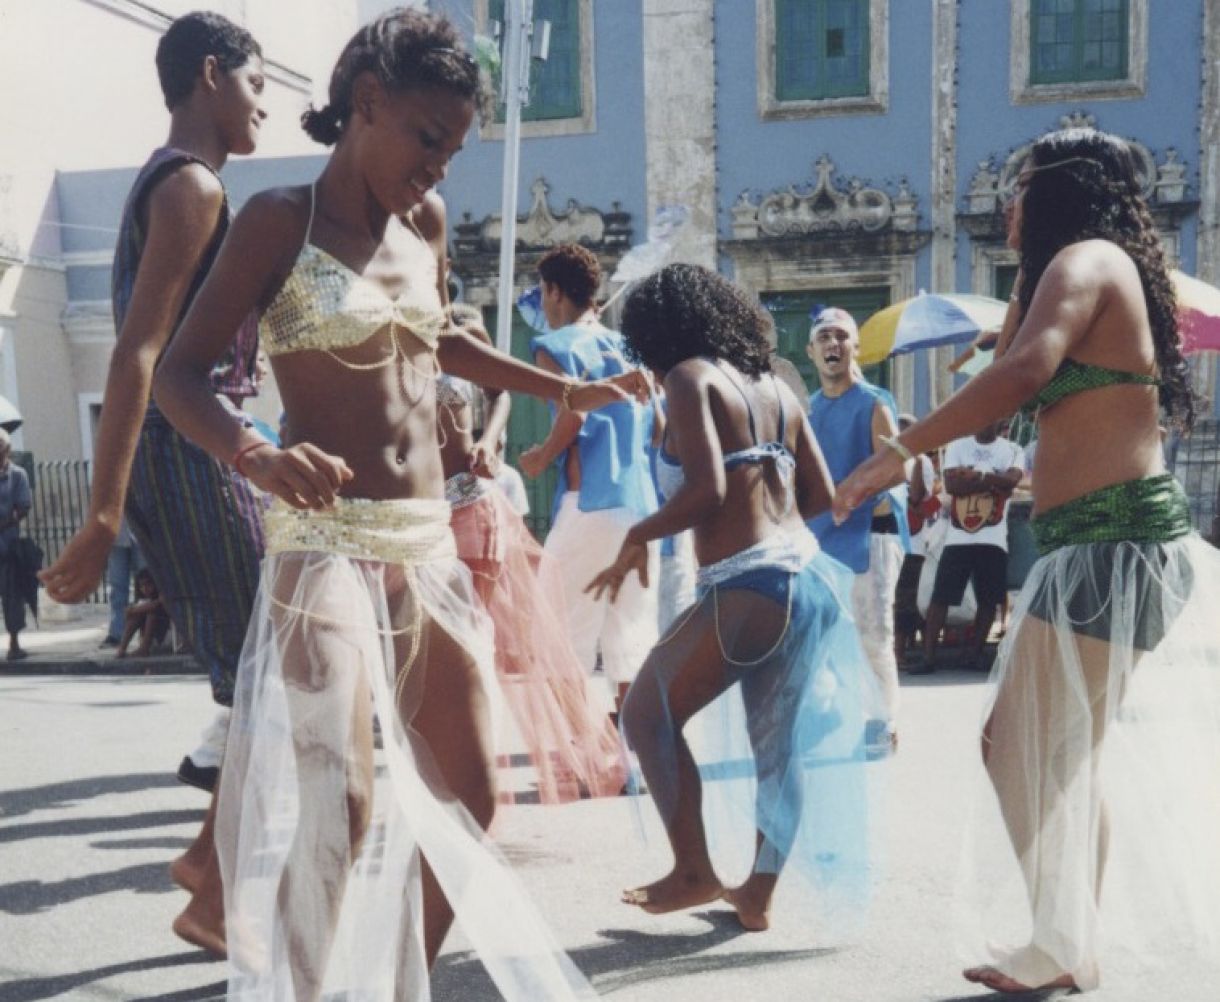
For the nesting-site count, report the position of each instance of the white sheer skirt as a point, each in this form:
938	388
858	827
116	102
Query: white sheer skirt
323	841
1097	843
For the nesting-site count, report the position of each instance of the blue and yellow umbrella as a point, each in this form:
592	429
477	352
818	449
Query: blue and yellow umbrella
927	321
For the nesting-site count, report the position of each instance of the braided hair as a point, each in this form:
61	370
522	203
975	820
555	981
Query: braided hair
1085	185
406	49
685	311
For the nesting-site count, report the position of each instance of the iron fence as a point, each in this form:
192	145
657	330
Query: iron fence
61	502
1195	460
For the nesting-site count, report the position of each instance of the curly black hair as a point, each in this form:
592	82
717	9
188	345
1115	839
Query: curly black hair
685	311
574	269
1093	192
189	40
406	49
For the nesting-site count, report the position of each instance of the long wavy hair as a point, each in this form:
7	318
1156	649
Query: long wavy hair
1088	188
686	311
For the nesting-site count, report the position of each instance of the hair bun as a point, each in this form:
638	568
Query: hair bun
322	124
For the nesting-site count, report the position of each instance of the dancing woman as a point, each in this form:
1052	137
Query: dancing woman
1101	739
573	747
337	882
767	657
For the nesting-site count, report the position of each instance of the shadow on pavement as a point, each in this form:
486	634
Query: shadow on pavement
33	989
100	826
28	897
164	842
206	993
14	803
627	958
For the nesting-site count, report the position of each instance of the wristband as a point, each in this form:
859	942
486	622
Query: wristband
893	443
235	462
567	394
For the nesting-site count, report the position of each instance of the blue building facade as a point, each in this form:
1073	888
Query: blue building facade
836	151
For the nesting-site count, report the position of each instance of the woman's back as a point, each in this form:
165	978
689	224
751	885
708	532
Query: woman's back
1109	433
756	423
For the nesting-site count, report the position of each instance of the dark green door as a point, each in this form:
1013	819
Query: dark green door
528	425
790	310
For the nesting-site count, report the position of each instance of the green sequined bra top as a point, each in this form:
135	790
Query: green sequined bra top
1076	377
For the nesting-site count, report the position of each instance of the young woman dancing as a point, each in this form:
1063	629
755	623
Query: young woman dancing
767	657
1101	739
572	745
337	882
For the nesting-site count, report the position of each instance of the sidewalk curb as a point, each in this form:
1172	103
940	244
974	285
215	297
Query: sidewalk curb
166	664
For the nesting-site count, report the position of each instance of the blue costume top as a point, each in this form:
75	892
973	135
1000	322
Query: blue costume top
613	441
844	429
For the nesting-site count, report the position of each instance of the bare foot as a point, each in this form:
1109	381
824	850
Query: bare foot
753	908
674	892
998	981
189	927
184	872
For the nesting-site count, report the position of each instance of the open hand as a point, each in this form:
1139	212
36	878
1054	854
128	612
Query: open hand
631	557
879	472
81	564
303	476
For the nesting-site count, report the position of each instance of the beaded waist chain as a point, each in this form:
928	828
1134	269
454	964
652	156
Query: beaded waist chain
785	551
1150	510
400	531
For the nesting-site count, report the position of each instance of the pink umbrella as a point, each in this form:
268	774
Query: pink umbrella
1198	313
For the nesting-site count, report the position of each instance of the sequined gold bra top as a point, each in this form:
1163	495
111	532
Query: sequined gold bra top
326	306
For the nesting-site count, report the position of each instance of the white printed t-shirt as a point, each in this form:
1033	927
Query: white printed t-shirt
981	518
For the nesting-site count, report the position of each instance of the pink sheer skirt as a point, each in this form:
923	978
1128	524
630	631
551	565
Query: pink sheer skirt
572	745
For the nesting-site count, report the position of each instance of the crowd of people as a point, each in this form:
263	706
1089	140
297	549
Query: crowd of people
366	574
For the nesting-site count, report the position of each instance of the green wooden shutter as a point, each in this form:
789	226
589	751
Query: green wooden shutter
821	49
554	84
529	423
1005	280
1073	41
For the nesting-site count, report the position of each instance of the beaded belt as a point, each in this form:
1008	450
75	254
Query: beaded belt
462	489
1149	510
786	551
398	531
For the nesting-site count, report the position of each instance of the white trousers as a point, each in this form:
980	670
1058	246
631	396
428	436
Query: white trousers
872	599
582	543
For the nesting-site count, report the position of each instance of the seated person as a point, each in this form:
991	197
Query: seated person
147	616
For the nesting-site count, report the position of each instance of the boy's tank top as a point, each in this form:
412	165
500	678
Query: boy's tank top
234	373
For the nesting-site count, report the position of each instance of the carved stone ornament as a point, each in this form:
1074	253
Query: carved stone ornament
826	207
1159	184
540	227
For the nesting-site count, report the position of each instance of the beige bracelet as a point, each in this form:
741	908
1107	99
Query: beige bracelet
893	443
567	394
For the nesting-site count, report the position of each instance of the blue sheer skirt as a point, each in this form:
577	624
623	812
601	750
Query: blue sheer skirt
774	688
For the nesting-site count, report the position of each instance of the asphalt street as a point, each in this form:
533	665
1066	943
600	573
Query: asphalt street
90	815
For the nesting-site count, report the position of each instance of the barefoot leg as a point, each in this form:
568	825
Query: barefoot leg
679	679
187	871
450	711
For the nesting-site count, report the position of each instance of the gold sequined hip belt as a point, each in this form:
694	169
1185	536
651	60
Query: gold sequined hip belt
398	531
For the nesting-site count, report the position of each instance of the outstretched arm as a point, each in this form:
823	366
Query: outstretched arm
183	213
1068	297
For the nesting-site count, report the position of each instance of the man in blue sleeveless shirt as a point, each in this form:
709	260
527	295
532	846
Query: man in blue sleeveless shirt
605	483
851	417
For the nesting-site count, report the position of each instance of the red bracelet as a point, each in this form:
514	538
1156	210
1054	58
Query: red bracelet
235	462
